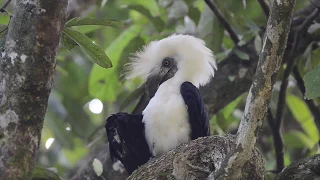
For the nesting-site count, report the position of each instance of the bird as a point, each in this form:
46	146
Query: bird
173	69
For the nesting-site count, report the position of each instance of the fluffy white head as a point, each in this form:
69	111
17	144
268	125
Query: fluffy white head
194	60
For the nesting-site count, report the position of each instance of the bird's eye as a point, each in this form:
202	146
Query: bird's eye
166	62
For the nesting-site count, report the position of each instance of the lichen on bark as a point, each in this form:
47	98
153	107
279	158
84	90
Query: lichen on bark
27	64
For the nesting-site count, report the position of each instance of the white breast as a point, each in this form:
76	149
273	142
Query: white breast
166	120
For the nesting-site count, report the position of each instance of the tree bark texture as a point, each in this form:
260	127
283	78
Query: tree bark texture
26	75
196	160
306	169
270	59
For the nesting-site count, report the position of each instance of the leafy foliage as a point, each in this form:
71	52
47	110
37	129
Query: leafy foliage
92	21
94	51
312	83
72	37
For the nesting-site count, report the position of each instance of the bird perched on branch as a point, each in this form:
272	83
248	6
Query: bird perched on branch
173	69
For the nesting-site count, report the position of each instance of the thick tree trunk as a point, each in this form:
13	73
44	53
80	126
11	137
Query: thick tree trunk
26	75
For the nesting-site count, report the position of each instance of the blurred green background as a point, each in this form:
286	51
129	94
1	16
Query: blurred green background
84	94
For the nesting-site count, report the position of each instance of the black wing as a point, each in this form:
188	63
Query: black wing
198	116
127	140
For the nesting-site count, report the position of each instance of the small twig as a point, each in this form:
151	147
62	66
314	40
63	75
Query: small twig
277	141
3	8
4	30
264	7
303	30
314	5
223	21
7	27
310	103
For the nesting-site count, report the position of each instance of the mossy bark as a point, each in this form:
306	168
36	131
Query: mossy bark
26	76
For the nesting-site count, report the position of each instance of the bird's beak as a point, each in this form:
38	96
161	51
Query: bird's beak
155	81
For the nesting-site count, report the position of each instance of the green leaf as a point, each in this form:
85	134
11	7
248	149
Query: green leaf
4	19
68	42
77	153
3	33
105	84
87	29
242	55
42	173
210	30
61	70
227	111
95	52
156	21
225	119
94	21
302	115
297	139
134	45
312	83
194	13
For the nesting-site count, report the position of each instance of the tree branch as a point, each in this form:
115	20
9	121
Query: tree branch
3	8
265	7
307	168
270	59
277	141
195	160
26	75
223	21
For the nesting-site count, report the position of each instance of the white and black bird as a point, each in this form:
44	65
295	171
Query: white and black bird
173	69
